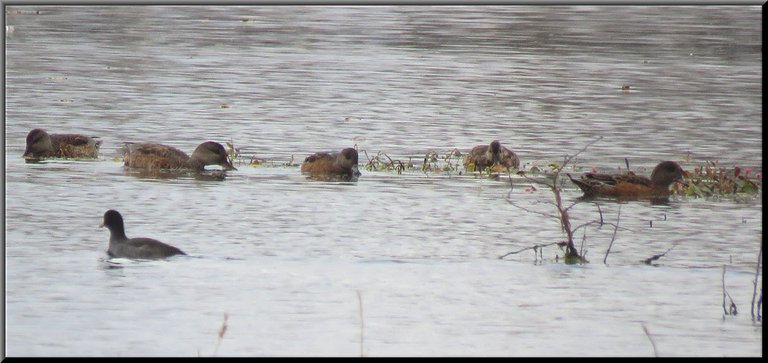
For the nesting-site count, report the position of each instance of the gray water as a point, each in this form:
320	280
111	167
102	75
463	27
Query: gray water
393	264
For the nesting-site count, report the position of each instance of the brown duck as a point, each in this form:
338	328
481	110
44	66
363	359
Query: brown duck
483	156
341	164
159	157
139	247
40	145
630	185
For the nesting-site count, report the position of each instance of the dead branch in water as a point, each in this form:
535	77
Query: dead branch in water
362	322
754	292
535	248
222	331
653	344
616	228
648	260
732	308
571	254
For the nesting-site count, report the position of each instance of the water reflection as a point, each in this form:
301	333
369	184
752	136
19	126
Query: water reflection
206	175
343	179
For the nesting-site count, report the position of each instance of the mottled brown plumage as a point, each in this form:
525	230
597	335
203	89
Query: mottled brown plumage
162	157
630	185
139	247
341	164
483	156
41	145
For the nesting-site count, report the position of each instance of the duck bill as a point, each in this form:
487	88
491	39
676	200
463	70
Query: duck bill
28	154
228	166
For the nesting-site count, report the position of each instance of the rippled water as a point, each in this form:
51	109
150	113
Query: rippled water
291	261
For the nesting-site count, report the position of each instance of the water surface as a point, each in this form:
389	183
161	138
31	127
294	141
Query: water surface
286	257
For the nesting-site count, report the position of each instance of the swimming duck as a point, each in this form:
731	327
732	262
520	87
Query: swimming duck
137	247
631	185
483	156
341	164
40	144
158	156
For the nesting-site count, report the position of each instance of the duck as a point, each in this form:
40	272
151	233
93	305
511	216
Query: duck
342	164
482	156
137	247
40	145
631	185
152	156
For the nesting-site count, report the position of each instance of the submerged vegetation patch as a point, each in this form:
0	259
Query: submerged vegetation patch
703	181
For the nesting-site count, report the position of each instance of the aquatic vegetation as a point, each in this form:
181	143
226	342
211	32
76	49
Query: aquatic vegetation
712	180
434	162
233	153
377	162
708	180
495	168
236	156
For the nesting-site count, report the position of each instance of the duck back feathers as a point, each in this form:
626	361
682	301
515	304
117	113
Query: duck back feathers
483	156
151	156
631	185
40	144
344	163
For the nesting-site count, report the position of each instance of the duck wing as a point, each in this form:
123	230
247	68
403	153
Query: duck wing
589	186
319	156
159	150
509	158
74	139
614	179
154	156
319	163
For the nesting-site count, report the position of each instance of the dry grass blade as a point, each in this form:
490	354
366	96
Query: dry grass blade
731	310
362	322
653	344
754	292
222	331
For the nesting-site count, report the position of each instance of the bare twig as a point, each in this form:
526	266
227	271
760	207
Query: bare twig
601	213
568	158
362	322
537	181
222	331
370	162
535	248
577	203
586	224
511	185
731	309
400	167
653	344
562	216
754	292
530	210
648	260
392	163
613	238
